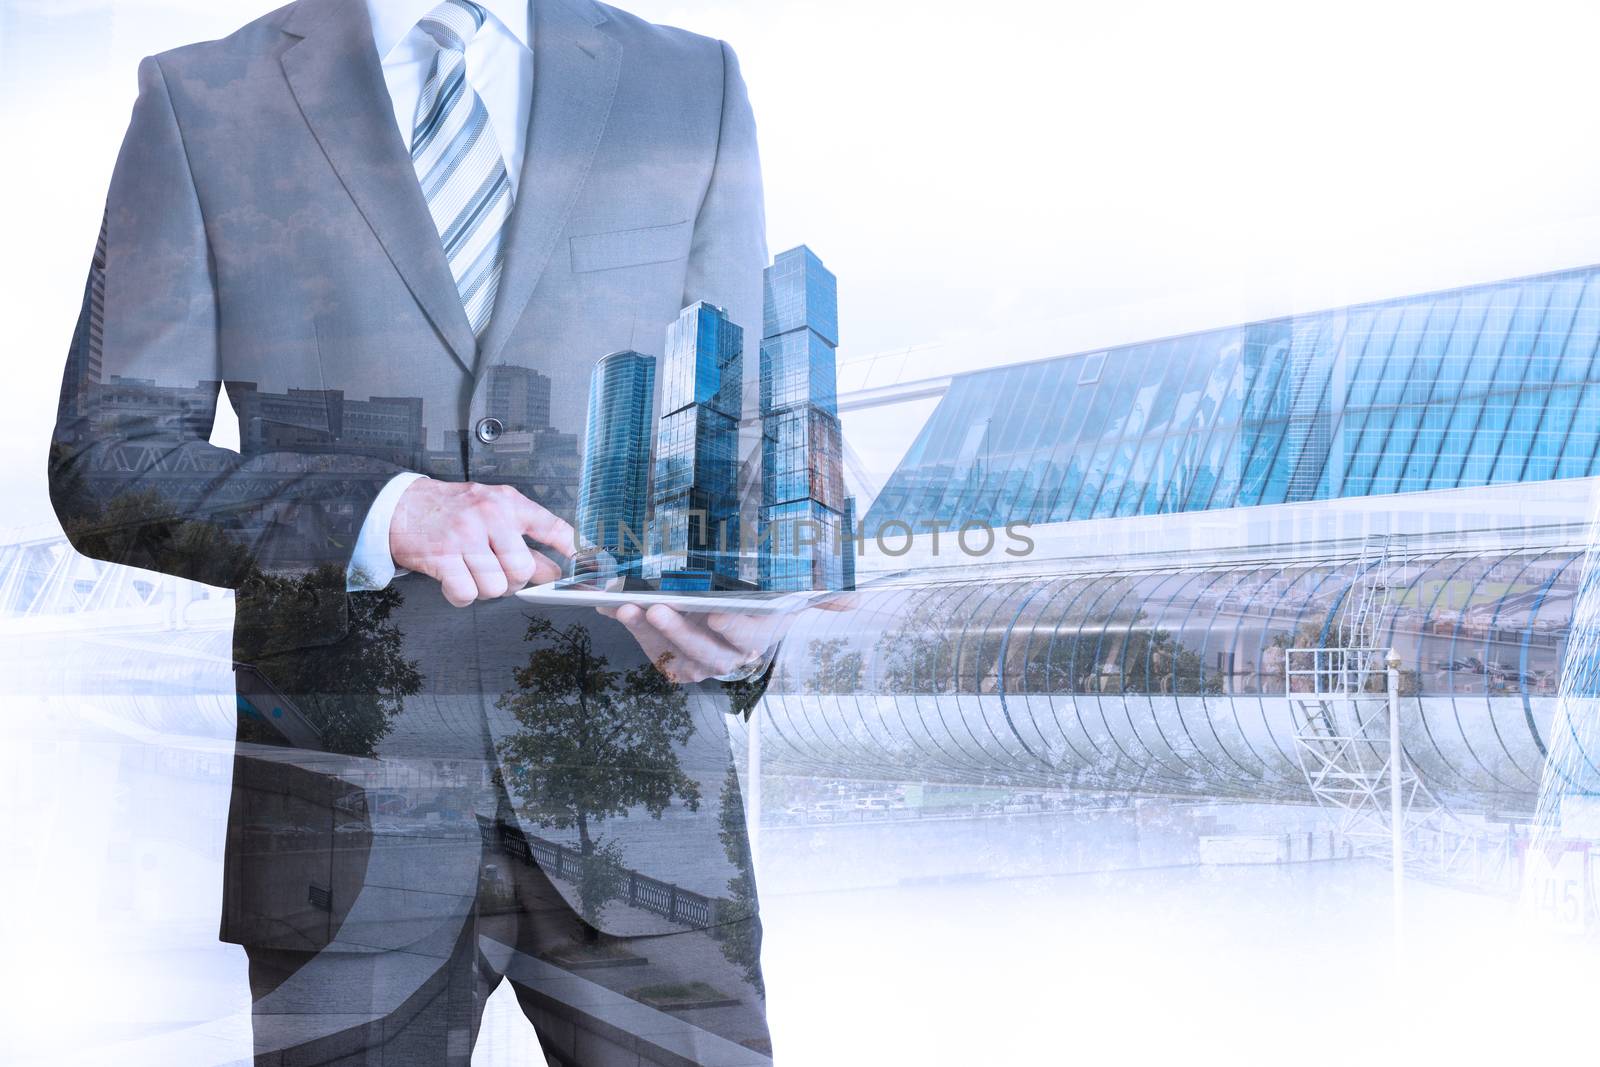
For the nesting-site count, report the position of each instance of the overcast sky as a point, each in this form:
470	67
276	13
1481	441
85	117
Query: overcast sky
992	182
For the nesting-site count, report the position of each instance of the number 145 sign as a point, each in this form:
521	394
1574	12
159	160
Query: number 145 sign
1555	886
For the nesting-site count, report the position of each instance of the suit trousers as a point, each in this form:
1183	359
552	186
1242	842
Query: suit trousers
593	999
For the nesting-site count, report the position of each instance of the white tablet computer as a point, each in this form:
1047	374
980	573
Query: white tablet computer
733	602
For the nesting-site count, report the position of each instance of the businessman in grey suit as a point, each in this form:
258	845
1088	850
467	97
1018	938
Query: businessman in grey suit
399	236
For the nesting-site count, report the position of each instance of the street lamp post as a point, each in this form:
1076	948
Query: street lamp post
1396	797
752	798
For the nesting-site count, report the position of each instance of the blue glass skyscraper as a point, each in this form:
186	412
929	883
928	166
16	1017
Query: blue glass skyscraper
614	489
847	555
802	485
696	523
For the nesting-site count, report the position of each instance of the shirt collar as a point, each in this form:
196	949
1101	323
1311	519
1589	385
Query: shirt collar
393	20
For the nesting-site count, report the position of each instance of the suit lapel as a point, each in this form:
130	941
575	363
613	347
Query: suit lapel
337	79
575	68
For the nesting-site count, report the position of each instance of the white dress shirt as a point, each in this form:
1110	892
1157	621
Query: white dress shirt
500	70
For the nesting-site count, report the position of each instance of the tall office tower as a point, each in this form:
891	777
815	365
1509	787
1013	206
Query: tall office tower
802	465
847	557
519	397
614	488
88	340
695	531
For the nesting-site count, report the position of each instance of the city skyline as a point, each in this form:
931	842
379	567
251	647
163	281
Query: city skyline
622	496
680	500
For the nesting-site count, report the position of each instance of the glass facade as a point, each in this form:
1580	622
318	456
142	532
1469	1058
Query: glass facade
1493	384
696	521
85	362
848	568
801	294
802	471
1570	802
614	489
1173	680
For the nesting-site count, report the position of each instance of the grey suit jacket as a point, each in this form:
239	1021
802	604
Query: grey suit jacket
265	231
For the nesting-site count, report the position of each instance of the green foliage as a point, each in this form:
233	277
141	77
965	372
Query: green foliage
601	878
340	658
1307	635
592	743
144	529
1104	656
838	668
1154	662
677	994
913	655
739	938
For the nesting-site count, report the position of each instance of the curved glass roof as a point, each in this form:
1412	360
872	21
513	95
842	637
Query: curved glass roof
1489	385
1173	680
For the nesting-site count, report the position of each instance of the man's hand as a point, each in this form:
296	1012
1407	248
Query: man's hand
689	647
473	539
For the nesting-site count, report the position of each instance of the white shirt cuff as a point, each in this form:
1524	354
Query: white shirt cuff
371	566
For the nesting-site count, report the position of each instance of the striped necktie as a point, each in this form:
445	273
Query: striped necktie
459	164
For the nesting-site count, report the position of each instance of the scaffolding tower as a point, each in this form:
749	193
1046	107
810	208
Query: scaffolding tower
1343	697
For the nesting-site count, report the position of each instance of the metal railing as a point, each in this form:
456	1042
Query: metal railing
1331	671
671	902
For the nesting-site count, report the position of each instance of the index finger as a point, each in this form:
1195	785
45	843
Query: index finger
545	528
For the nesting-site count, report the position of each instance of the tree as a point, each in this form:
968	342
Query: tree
915	654
838	668
594	742
1153	661
739	936
340	658
144	529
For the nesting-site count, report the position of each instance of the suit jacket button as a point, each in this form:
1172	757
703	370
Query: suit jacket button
489	430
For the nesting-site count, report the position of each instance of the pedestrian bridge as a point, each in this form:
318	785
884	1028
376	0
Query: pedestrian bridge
1158	680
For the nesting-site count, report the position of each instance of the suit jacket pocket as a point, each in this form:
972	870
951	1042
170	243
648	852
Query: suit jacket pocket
614	249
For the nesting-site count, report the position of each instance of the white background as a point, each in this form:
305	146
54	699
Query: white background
1000	181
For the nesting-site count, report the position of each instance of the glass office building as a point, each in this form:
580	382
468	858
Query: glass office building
85	365
1492	384
1166	671
695	528
614	489
802	472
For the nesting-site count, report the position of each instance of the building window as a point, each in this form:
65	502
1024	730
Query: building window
1089	372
